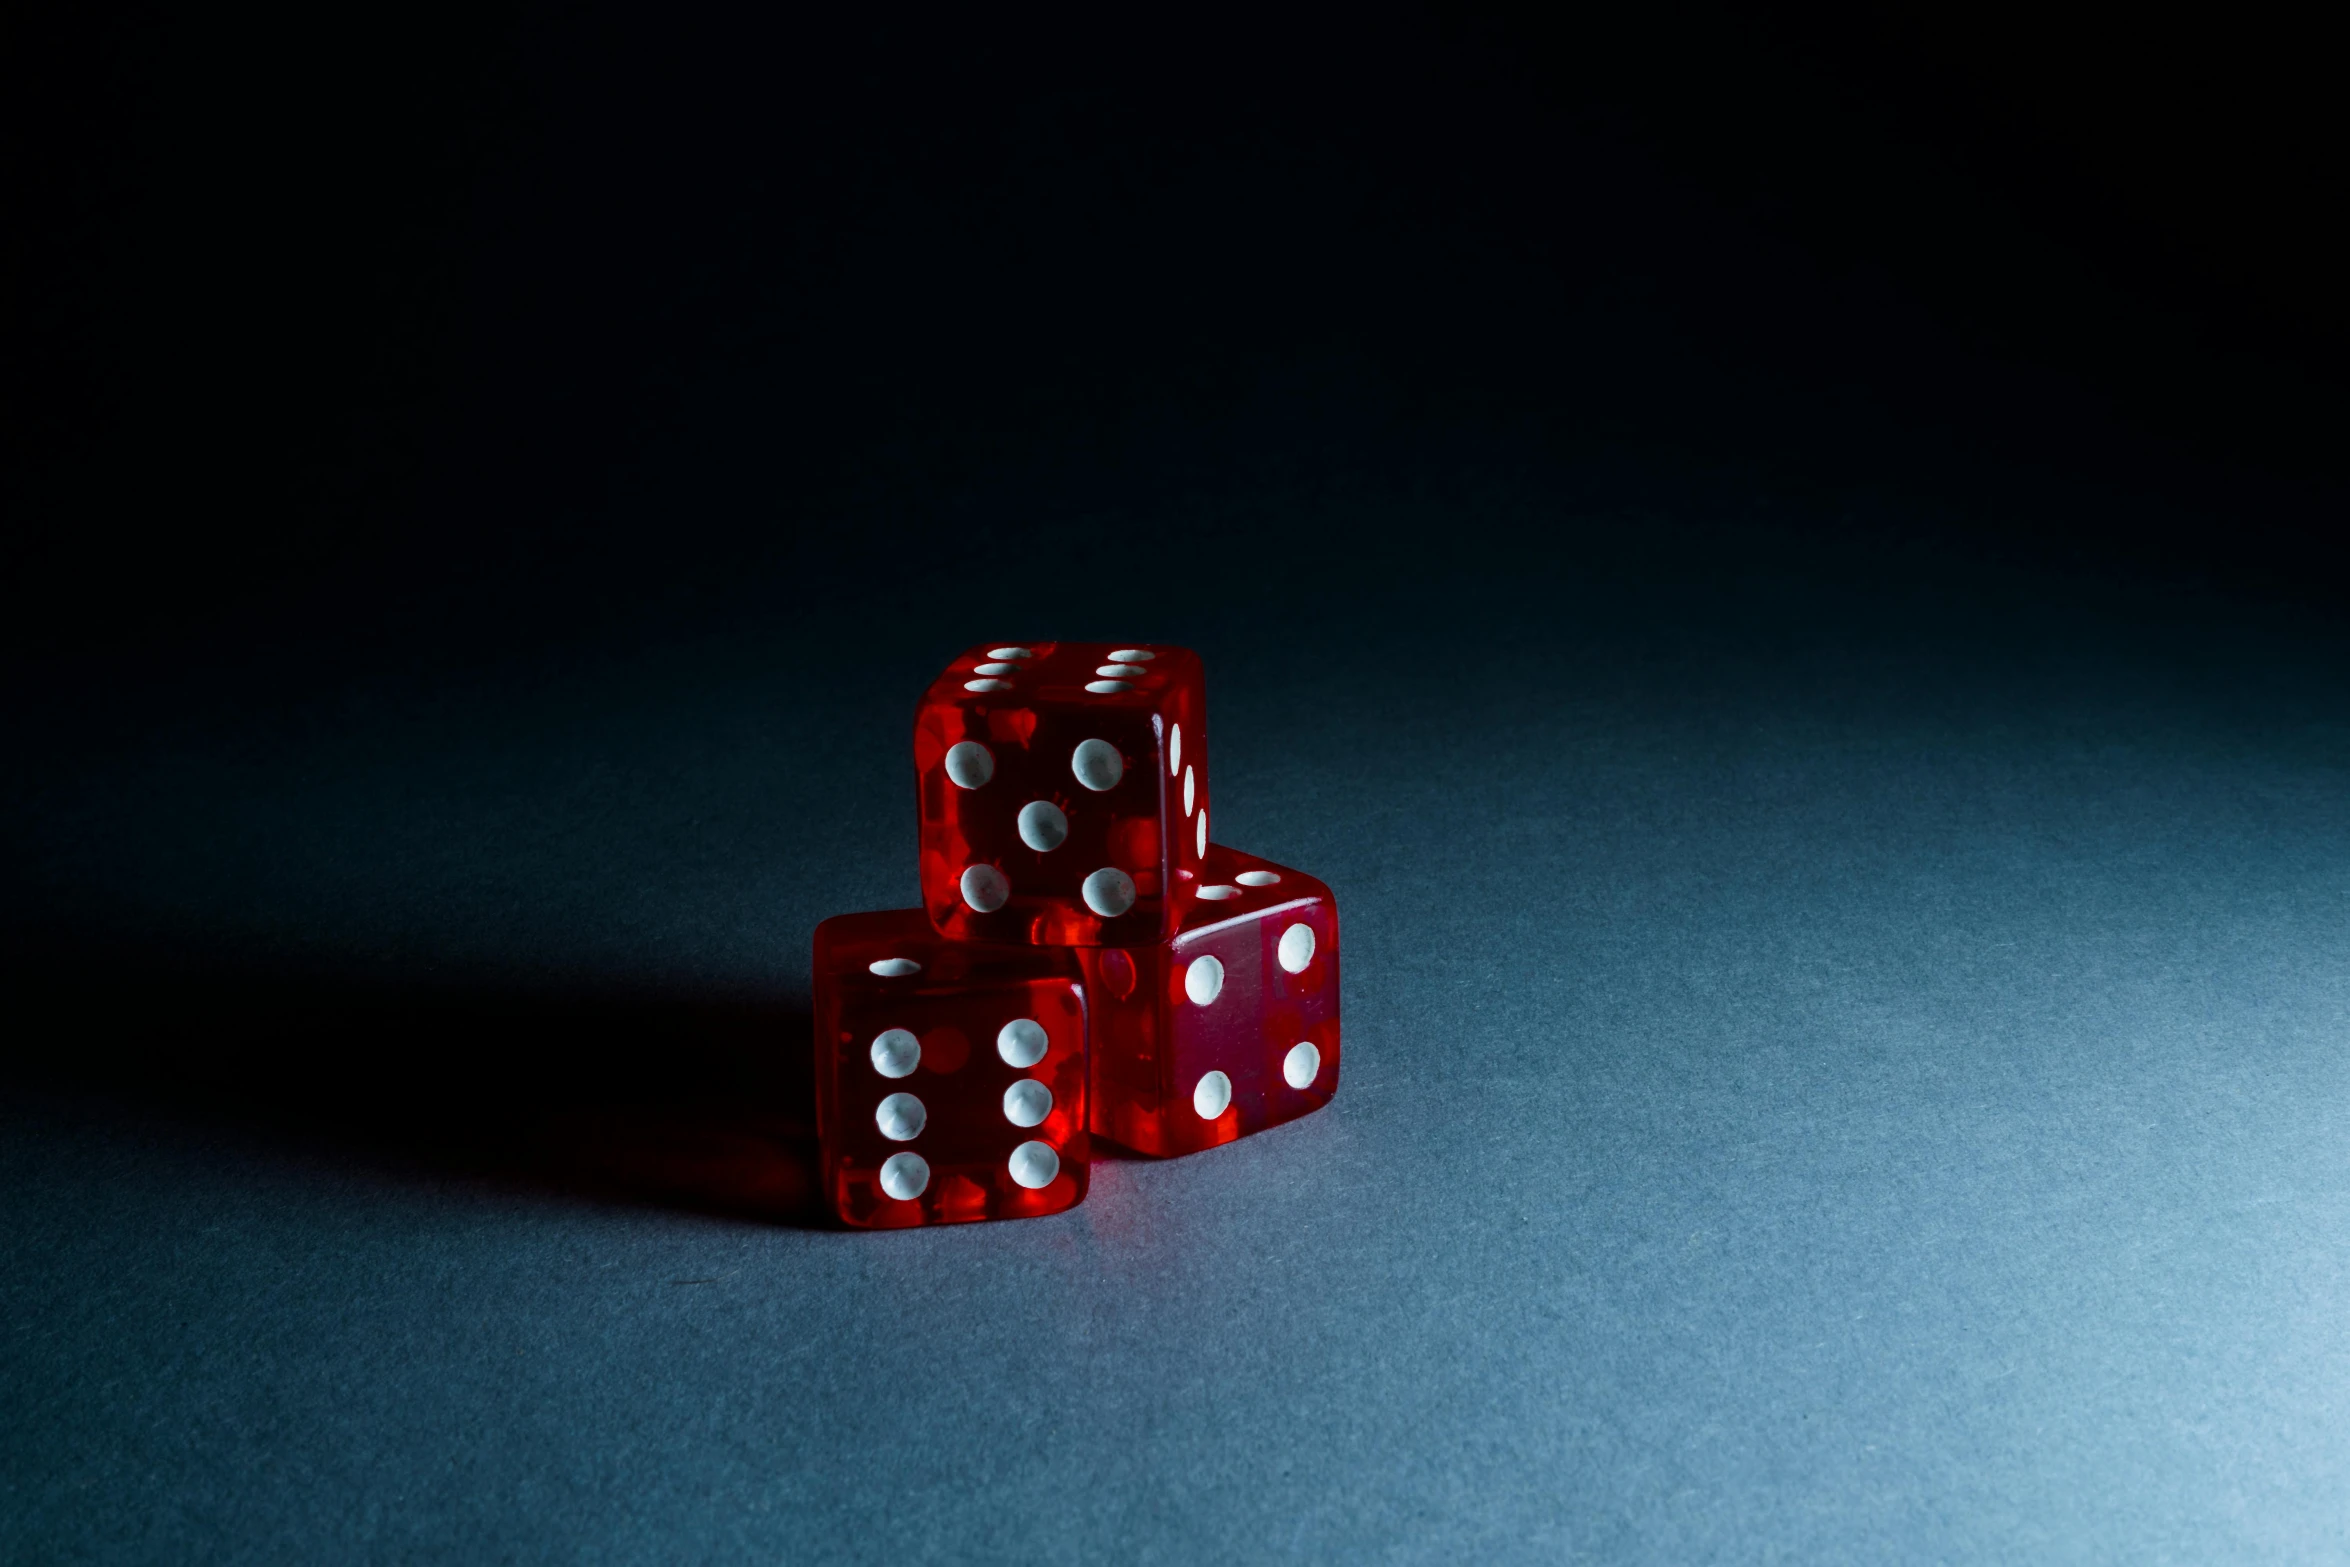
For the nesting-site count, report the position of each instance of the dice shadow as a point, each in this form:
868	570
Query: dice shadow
685	1103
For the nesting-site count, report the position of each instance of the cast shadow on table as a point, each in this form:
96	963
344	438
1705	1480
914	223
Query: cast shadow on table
695	1105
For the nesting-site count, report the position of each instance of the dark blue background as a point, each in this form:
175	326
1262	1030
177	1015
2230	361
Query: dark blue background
1797	617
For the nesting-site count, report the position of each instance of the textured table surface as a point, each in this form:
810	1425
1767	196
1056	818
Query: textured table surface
1846	1061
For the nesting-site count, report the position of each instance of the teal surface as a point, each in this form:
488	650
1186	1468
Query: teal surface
1845	1062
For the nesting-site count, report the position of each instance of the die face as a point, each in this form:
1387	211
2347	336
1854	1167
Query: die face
950	1078
1062	791
1230	1027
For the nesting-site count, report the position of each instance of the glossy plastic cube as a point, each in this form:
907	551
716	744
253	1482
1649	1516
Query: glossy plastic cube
950	1077
1063	792
1228	1027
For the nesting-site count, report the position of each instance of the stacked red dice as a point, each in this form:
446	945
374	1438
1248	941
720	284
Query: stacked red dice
1086	962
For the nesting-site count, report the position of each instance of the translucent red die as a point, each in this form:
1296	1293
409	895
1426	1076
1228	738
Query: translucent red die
950	1077
1063	792
1227	1027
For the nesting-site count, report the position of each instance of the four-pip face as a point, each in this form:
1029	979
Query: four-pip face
1063	792
1230	1026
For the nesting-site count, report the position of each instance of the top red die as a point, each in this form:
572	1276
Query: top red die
1063	792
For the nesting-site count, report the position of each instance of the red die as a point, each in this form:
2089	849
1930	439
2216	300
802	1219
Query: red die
1063	792
950	1077
1228	1028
